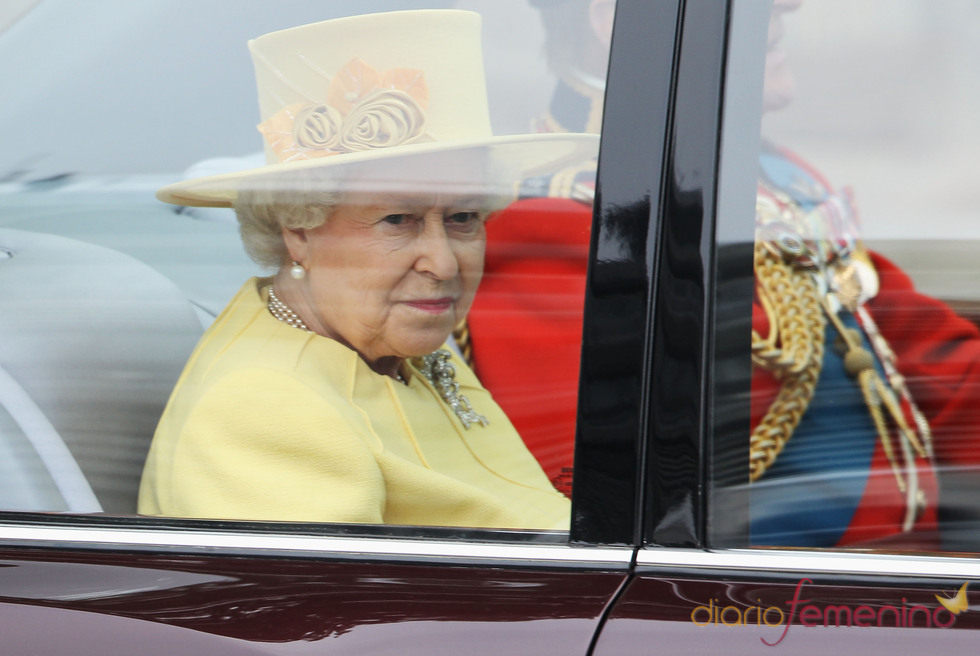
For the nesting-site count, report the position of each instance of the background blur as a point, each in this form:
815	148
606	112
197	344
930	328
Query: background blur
888	101
151	86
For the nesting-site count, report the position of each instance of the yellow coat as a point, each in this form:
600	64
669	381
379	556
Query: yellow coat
269	422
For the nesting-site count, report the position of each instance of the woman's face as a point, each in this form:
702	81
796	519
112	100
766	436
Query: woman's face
392	275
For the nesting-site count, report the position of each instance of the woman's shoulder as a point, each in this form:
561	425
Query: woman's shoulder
257	408
277	395
248	356
246	335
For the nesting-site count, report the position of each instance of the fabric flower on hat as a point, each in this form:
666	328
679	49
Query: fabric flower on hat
363	110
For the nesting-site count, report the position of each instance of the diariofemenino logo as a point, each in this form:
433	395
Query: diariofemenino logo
808	614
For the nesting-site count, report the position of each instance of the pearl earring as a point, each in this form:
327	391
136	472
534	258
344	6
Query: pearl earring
297	271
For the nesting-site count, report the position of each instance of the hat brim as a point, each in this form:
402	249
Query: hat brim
515	157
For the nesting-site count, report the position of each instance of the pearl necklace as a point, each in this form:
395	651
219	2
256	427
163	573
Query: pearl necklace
436	368
281	311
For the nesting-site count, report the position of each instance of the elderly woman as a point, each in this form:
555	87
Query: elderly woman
324	393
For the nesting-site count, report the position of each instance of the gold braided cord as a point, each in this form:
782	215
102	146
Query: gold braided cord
793	351
872	388
788	292
461	333
897	383
879	398
792	305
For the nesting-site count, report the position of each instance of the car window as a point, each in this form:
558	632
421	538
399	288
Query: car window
117	299
846	337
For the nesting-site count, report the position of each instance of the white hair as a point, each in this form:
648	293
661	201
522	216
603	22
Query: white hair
265	210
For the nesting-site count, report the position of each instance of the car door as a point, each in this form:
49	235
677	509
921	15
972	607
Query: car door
101	589
733	566
80	572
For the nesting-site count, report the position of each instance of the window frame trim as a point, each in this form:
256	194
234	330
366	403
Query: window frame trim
360	548
621	287
752	563
680	372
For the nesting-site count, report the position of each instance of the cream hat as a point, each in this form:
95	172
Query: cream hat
397	95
